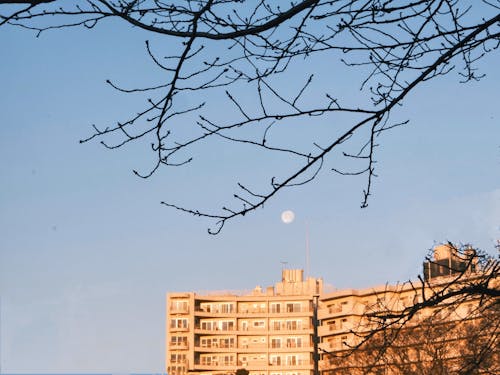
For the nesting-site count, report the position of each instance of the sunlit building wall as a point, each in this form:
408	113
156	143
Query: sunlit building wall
271	331
266	331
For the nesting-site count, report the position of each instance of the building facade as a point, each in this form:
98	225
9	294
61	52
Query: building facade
267	331
282	329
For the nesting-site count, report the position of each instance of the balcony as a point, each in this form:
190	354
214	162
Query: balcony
211	330
201	364
175	309
290	328
252	347
199	311
290	365
180	346
215	348
178	329
179	362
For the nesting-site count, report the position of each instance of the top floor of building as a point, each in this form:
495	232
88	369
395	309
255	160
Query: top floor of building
293	294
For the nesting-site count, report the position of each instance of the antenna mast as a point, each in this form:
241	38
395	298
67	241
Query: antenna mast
307	250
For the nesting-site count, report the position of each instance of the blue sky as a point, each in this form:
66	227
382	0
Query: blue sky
87	253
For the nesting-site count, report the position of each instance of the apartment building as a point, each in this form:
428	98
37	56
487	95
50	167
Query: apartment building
273	331
435	339
266	331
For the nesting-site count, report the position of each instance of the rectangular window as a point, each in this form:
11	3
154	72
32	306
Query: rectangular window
335	308
293	342
226	325
291	360
275	308
227	343
227	308
293	325
276	325
179	306
207	307
293	307
177	358
275	360
275	343
178	341
179	323
206	325
259	324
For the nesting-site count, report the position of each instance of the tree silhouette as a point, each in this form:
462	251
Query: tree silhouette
241	371
226	48
452	326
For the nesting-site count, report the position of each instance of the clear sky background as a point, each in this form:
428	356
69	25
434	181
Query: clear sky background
87	253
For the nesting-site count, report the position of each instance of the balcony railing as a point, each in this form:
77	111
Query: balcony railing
214	329
216	310
173	309
298	362
202	362
178	329
176	345
216	346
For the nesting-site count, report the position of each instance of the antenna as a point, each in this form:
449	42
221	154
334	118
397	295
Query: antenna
307	250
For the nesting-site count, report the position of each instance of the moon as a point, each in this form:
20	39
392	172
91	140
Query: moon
287	216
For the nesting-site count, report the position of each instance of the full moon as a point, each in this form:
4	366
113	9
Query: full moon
287	216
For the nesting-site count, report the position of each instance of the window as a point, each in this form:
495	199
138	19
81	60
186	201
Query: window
275	308
227	360
227	307
332	325
291	360
276	325
226	325
227	343
275	343
293	325
258	324
275	360
179	306
177	358
207	325
335	308
176	370
207	307
178	341
293	307
179	323
294	342
206	360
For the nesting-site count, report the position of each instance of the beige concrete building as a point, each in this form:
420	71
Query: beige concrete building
272	331
267	331
435	339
